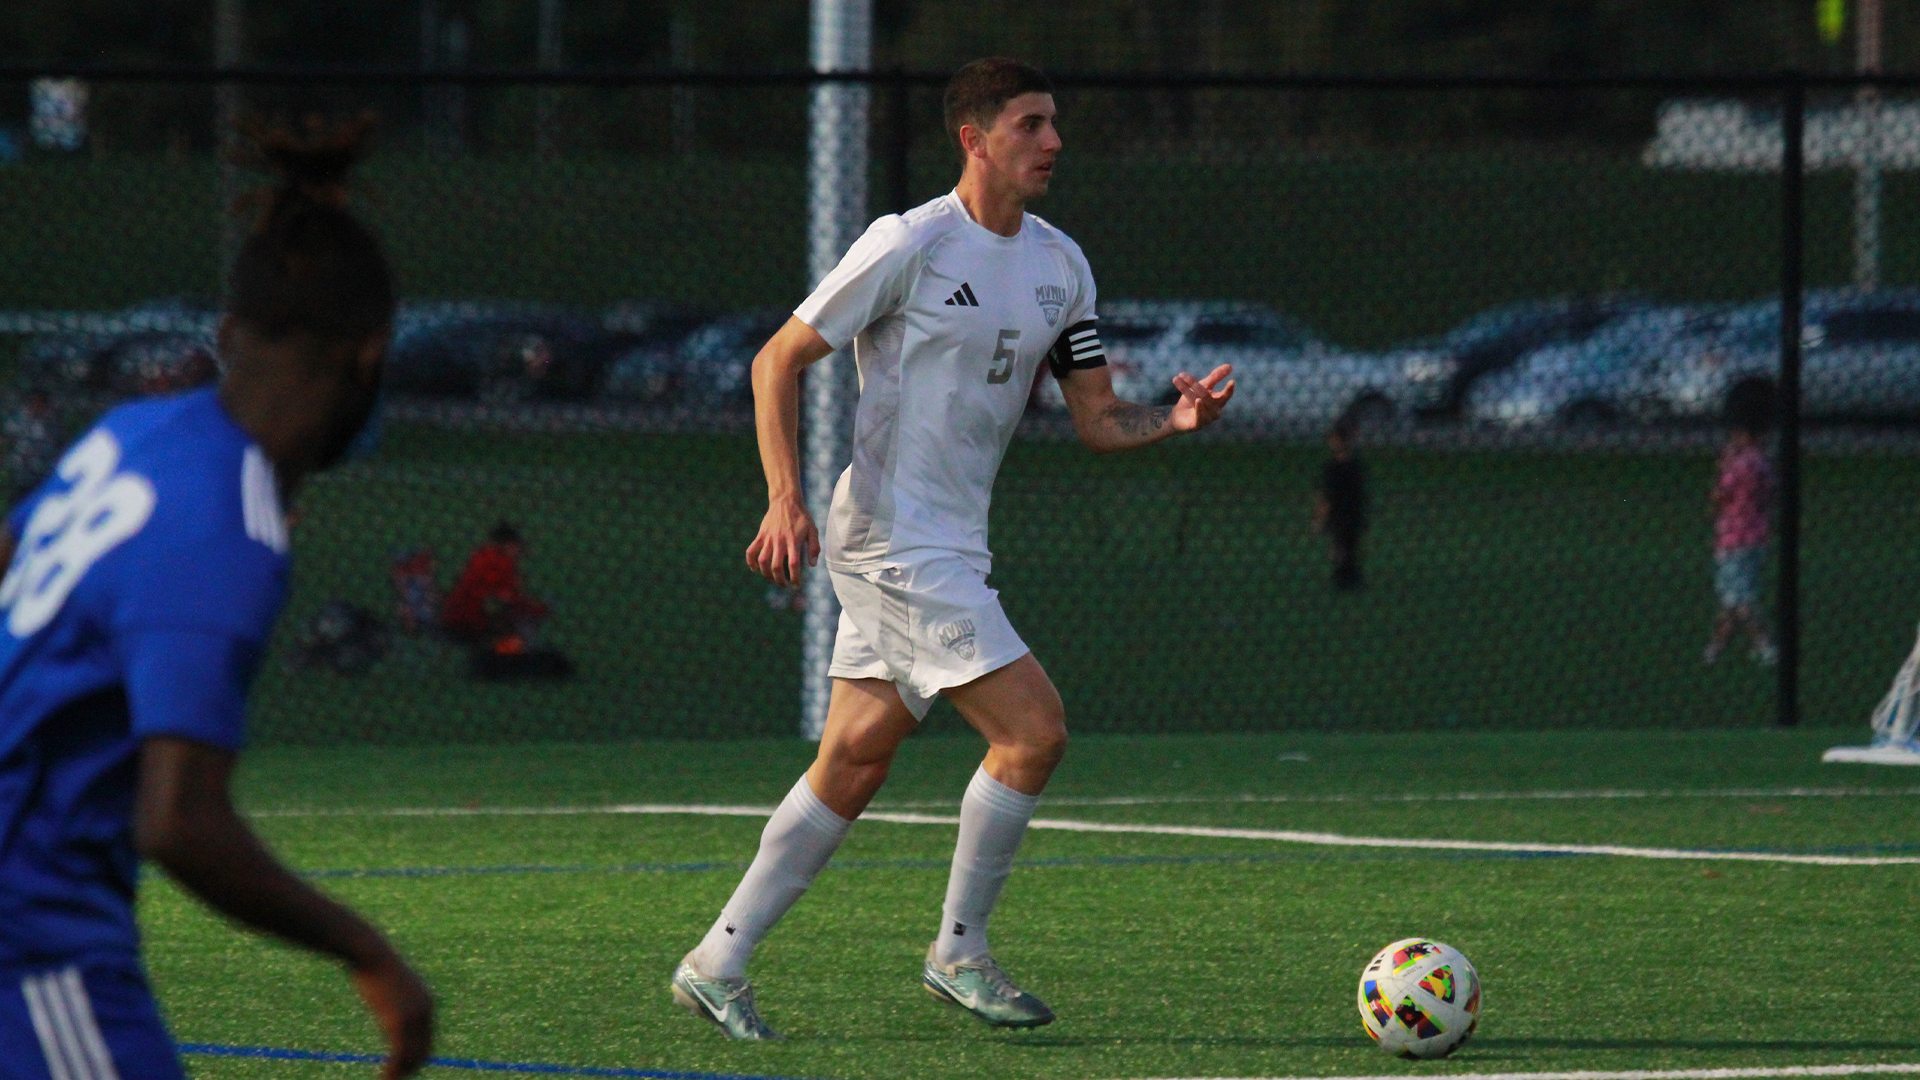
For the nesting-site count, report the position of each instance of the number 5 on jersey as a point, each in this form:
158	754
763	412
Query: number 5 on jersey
1005	353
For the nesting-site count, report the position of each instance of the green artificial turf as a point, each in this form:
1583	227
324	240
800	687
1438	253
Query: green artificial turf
549	937
1173	589
1177	588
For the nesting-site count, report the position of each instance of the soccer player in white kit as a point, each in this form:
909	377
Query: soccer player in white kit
951	308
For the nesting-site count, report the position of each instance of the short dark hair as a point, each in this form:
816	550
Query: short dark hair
504	533
309	266
977	92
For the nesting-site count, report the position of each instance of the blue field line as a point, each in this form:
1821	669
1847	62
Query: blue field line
475	1064
1061	862
479	871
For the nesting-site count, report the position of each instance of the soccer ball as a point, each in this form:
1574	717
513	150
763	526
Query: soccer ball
1419	998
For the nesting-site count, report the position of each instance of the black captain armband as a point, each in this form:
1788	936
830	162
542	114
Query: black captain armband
1076	349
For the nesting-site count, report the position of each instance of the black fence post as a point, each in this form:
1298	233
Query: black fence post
900	146
1792	248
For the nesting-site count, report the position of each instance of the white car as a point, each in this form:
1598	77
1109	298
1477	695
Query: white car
1440	371
1284	374
1612	375
1860	357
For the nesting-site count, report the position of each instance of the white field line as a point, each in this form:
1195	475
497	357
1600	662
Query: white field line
526	811
1067	825
1174	800
1660	1074
1460	796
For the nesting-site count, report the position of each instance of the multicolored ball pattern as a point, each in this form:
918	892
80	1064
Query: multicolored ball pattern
1419	998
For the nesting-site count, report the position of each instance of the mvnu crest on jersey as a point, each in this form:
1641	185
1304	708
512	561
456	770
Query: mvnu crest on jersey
1052	299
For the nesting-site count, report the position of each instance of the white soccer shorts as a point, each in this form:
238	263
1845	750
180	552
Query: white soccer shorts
923	628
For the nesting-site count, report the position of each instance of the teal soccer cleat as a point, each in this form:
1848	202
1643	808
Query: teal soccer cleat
728	1003
981	988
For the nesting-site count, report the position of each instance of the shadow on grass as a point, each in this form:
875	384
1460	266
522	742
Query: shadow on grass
1478	1048
1481	1046
1018	1040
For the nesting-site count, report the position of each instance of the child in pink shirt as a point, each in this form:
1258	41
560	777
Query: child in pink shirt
1742	506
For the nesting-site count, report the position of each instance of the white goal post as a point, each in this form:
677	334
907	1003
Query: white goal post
1896	723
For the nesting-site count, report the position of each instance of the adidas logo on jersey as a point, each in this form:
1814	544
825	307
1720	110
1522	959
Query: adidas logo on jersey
963	297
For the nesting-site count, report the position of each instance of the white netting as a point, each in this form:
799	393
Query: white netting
1894	721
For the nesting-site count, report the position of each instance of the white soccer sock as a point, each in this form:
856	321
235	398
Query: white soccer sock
799	839
993	819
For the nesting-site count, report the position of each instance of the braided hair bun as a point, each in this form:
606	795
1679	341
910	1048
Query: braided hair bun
308	265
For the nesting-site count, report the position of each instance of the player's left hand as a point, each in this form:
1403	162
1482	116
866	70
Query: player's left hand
1200	404
403	1007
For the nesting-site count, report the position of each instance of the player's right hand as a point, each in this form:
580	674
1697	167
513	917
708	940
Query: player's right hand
786	543
403	1007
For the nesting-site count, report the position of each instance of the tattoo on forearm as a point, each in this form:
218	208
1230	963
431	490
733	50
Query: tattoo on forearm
1134	419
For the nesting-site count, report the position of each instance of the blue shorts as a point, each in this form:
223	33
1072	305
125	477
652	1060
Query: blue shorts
86	1020
1736	576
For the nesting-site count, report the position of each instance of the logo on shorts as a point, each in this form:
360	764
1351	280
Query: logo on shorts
958	636
1051	298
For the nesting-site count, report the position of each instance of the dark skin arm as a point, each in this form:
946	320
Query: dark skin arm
184	821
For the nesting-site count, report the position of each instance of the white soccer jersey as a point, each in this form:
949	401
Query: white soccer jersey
949	323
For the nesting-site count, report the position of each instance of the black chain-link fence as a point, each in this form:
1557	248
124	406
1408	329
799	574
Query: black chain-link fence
1534	304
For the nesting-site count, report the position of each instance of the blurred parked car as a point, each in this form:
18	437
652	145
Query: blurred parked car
66	362
498	353
1608	377
1440	371
1314	386
1860	358
139	363
1283	372
649	368
1149	342
176	314
152	364
716	361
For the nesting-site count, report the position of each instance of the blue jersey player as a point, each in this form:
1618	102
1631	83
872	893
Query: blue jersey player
143	578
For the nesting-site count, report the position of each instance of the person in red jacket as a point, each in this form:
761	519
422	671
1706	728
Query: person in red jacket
487	604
